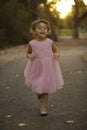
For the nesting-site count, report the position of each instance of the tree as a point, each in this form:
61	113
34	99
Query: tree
34	7
77	17
53	22
15	18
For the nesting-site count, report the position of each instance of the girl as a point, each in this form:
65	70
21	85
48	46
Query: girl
42	72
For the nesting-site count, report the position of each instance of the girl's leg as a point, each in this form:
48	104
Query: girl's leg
39	96
44	101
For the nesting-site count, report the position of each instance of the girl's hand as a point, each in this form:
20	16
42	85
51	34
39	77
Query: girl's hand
56	55
31	56
55	51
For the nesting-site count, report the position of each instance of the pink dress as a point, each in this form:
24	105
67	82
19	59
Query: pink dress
43	74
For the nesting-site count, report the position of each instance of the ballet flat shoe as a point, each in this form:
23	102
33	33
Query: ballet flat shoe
43	113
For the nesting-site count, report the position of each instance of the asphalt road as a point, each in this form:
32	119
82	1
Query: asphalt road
67	108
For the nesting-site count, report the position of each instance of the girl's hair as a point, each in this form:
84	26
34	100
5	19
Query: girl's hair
36	22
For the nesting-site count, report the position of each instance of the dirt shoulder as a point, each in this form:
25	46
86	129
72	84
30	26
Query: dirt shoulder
12	53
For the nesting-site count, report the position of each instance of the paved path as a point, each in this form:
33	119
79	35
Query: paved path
19	108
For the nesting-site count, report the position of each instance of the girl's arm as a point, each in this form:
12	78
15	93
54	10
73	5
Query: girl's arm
29	53
55	51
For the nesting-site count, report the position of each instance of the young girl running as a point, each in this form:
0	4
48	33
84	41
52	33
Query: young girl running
42	72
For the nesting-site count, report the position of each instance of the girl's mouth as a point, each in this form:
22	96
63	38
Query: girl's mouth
42	33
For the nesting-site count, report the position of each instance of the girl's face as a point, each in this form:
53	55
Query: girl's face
41	30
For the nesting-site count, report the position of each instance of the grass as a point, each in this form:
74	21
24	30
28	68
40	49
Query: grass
68	32
65	32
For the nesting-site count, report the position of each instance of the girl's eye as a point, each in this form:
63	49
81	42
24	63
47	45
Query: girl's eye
39	28
42	28
45	28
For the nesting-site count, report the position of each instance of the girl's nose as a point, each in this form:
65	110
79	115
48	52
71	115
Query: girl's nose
42	29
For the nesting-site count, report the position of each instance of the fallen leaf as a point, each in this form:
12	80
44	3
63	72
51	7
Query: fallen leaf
17	75
52	106
22	124
79	71
9	116
69	121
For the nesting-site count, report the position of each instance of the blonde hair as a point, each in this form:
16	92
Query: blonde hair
36	22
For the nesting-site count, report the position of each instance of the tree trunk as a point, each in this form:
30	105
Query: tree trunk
33	7
75	29
48	15
75	20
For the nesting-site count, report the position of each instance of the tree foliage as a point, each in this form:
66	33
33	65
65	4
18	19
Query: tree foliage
14	22
16	17
80	13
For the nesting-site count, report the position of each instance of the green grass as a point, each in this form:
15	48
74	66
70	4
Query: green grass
65	32
83	31
68	32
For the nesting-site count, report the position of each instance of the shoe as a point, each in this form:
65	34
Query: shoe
43	113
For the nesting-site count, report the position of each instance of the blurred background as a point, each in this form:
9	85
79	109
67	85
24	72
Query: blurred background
67	18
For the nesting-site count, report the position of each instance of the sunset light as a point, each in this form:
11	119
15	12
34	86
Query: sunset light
64	7
85	1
